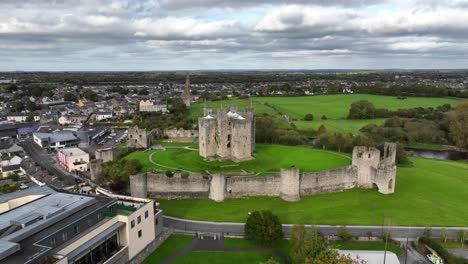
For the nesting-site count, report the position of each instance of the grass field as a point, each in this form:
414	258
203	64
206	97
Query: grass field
269	158
334	107
430	193
173	244
366	246
281	247
216	257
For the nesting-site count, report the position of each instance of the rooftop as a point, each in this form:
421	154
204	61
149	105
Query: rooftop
70	152
56	137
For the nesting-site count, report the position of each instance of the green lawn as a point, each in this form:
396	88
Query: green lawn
431	193
334	107
366	246
216	257
173	244
337	106
268	158
281	247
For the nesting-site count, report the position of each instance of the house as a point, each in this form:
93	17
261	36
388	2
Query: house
152	106
54	141
44	225
22	117
103	116
8	166
72	119
73	159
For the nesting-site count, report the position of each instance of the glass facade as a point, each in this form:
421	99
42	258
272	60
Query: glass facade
100	253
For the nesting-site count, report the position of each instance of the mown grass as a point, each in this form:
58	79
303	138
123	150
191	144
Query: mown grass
268	158
217	257
430	193
173	244
334	107
365	245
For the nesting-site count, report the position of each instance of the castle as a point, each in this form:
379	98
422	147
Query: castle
227	134
369	169
139	138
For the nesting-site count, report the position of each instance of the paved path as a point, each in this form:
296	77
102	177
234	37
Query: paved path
237	229
216	245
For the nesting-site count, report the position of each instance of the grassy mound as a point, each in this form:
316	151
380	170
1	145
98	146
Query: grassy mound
269	158
431	193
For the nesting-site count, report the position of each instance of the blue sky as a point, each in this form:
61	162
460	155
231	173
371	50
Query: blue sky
101	35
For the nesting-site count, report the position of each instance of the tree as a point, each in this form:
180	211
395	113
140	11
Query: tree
270	261
30	118
461	234
458	122
70	97
361	110
263	228
343	234
309	117
143	91
31	106
91	95
324	117
393	121
444	234
427	232
17	106
306	245
331	256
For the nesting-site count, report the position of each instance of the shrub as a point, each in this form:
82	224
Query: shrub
184	175
263	228
343	234
442	252
309	117
324	117
169	173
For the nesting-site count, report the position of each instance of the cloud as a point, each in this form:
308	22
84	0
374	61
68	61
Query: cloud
223	34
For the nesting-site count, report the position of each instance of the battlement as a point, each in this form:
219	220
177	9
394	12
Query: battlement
227	134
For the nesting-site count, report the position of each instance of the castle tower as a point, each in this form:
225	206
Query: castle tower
186	95
227	134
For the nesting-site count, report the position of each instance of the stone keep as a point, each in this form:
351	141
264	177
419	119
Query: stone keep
139	138
227	134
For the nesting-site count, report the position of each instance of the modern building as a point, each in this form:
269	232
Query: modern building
152	106
54	141
43	225
73	159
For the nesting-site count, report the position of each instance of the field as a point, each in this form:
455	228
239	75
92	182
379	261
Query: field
334	107
269	158
430	193
173	244
217	257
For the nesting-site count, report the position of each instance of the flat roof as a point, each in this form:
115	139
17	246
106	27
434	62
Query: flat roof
72	152
27	238
56	137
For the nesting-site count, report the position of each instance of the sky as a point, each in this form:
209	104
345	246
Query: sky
152	35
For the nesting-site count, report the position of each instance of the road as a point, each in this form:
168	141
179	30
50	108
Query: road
401	232
47	161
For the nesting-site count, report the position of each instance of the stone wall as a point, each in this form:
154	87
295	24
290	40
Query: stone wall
335	180
237	187
161	186
95	168
180	133
106	154
367	170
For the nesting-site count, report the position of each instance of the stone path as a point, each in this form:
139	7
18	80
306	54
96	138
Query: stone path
216	245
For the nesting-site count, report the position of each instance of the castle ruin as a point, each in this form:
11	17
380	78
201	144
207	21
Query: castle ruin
227	134
368	170
139	138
